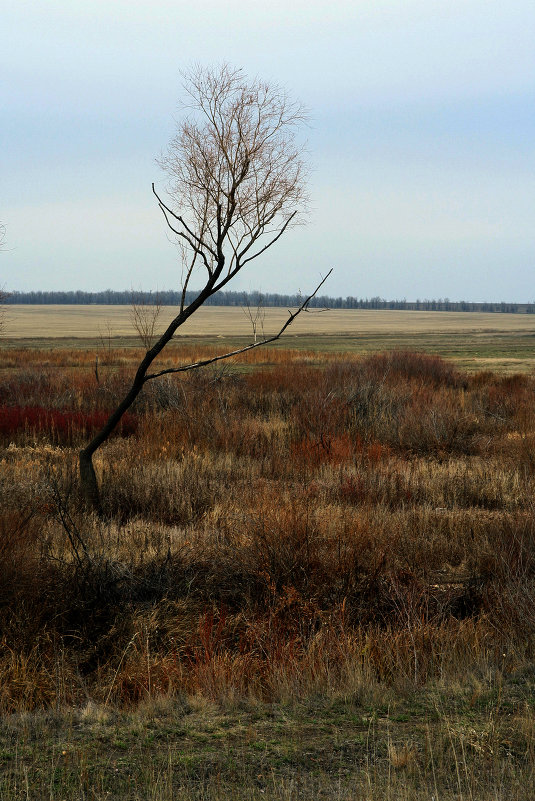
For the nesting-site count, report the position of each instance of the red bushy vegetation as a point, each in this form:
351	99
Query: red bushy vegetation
59	427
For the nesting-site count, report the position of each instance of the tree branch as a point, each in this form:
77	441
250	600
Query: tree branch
282	230
181	220
185	367
196	249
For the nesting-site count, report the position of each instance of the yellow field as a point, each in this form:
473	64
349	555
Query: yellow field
504	343
90	321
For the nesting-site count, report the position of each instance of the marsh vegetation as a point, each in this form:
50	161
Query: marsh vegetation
322	565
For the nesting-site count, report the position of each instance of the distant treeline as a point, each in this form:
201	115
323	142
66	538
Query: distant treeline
110	297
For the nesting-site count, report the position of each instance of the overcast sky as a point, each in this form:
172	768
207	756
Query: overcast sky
422	140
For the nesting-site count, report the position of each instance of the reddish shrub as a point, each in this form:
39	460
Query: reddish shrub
506	398
428	368
58	426
324	449
376	452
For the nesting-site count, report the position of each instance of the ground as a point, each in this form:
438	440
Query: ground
315	577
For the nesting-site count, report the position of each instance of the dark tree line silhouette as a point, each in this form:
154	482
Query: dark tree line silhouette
110	297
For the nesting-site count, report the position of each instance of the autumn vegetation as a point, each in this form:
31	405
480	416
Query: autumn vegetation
289	526
302	526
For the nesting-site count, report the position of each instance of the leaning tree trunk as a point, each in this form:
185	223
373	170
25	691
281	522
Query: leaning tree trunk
88	479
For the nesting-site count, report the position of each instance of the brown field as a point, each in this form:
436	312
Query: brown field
504	343
314	577
88	321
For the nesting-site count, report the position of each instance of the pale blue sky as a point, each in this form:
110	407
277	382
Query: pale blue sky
422	140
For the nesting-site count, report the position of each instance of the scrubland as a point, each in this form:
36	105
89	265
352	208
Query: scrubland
314	578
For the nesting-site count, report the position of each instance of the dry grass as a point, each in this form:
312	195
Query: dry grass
83	321
344	529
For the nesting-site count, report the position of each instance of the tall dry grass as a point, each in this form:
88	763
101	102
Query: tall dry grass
270	531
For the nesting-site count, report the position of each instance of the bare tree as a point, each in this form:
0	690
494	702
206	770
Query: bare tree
237	182
256	316
144	313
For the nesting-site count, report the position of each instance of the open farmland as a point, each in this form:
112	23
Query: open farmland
86	321
501	342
